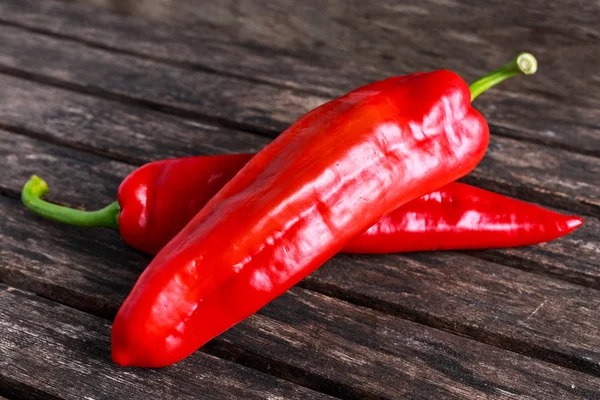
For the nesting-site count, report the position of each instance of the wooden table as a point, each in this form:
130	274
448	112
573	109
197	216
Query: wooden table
88	95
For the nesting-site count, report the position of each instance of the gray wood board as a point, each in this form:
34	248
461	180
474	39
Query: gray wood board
519	311
201	94
128	133
539	108
392	36
497	302
53	351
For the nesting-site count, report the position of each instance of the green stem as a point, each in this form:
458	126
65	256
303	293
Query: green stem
524	63
35	188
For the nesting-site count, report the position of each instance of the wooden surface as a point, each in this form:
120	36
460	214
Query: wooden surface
88	95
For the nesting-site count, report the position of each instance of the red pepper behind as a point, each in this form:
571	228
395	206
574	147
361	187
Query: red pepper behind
462	217
326	179
160	198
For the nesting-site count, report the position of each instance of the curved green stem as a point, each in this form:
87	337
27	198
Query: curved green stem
35	188
524	63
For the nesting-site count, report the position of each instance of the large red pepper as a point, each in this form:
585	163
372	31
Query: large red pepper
158	199
329	177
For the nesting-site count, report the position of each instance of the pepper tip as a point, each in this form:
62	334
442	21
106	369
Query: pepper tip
574	223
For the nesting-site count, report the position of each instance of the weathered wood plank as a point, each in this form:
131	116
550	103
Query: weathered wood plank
532	172
539	108
494	301
495	304
120	131
201	94
568	25
164	43
337	347
447	386
391	35
127	133
126	75
63	353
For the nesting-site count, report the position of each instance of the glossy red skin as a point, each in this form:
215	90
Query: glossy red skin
462	217
322	182
160	198
455	217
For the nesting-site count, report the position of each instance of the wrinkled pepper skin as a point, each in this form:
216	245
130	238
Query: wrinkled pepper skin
160	198
326	179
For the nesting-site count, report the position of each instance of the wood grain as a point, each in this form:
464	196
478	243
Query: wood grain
128	133
96	82
337	347
539	108
494	301
543	175
200	94
395	36
525	170
64	353
498	305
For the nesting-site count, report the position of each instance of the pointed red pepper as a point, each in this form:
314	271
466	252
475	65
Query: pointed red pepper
329	177
462	217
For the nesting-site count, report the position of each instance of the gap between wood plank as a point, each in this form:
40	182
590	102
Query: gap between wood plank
160	60
541	197
526	193
14	390
194	66
25	391
111	155
225	351
153	106
511	179
499	341
512	261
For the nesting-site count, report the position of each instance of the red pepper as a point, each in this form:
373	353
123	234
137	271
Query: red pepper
326	179
157	200
461	217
